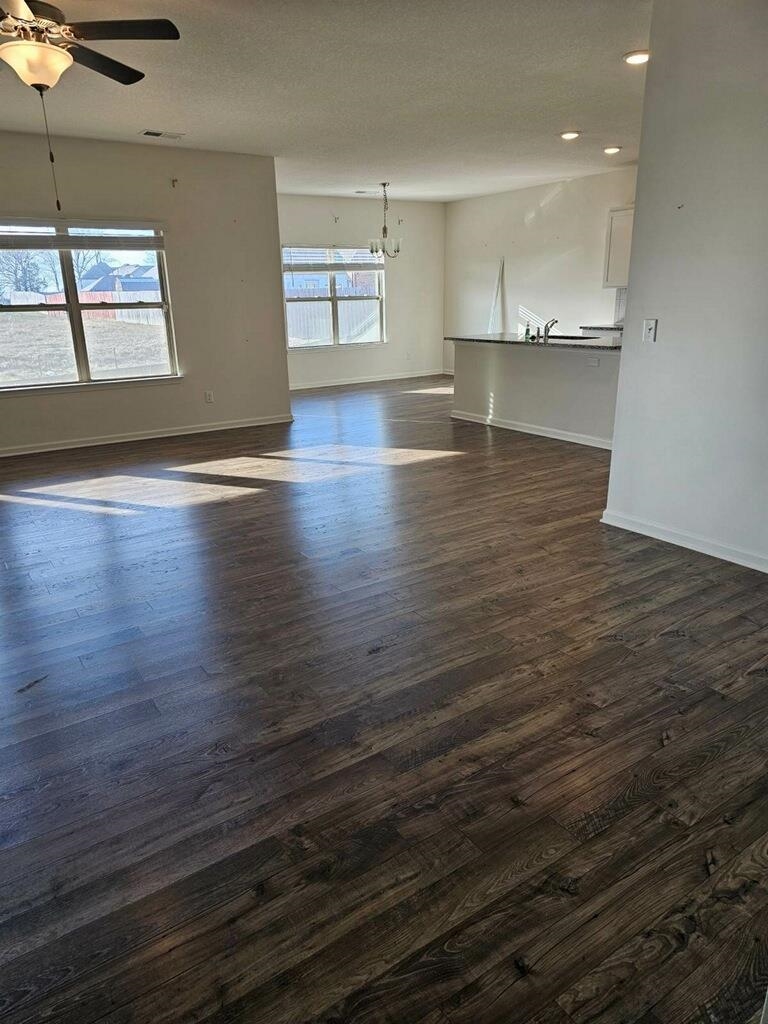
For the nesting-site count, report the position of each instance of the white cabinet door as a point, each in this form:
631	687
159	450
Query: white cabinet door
617	247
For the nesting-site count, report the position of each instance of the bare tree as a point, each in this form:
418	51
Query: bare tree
82	260
50	258
20	271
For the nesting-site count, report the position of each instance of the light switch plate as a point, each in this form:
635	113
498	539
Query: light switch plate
593	360
649	330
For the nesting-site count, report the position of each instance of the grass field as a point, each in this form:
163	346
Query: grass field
36	348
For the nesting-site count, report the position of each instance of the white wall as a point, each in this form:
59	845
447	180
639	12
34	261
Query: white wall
413	283
224	274
552	239
690	460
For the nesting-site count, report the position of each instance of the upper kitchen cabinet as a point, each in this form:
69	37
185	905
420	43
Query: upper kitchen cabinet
618	243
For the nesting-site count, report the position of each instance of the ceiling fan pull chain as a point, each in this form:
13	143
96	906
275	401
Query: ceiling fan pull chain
50	150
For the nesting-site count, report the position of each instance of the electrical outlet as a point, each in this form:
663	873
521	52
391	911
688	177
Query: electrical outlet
593	361
208	395
649	330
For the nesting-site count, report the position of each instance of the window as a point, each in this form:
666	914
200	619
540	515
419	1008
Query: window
333	296
80	304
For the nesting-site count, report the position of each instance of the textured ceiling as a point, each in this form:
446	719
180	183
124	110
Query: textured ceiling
444	98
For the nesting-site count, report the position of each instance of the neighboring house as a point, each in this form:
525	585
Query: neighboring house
310	284
100	269
101	277
104	283
129	277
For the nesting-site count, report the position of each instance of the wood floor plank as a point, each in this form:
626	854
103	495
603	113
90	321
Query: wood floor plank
298	994
700	751
660	958
367	718
559	954
284	919
730	984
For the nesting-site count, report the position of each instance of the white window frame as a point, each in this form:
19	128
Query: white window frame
73	306
332	269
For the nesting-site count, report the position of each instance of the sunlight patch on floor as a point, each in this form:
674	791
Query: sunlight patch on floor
364	456
278	469
145	491
46	502
440	389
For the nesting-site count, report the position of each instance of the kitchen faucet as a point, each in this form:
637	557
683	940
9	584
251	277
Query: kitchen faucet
547	328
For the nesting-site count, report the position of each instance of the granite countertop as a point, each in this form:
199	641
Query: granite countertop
554	342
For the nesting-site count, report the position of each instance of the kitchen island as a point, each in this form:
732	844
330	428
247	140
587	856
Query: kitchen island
564	389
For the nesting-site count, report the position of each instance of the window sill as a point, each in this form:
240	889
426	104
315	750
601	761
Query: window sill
80	385
337	348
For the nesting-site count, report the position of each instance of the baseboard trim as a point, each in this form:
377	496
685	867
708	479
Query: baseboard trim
750	559
369	380
532	428
143	435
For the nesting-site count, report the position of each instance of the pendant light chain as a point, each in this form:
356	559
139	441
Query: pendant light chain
41	93
378	246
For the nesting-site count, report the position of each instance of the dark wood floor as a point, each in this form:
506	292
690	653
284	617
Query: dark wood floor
368	719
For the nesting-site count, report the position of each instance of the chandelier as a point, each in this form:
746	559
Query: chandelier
378	246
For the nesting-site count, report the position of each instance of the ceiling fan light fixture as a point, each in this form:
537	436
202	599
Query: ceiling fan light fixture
38	65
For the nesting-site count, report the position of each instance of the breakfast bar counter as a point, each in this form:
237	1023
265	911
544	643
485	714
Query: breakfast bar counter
565	388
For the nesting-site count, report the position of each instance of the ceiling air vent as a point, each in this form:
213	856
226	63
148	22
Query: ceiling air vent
153	133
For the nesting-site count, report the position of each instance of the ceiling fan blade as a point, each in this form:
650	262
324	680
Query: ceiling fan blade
19	9
137	28
104	65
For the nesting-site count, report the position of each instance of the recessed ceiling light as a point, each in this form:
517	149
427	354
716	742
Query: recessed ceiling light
637	57
612	150
569	136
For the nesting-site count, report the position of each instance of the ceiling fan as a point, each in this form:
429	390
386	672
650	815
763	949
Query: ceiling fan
44	45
